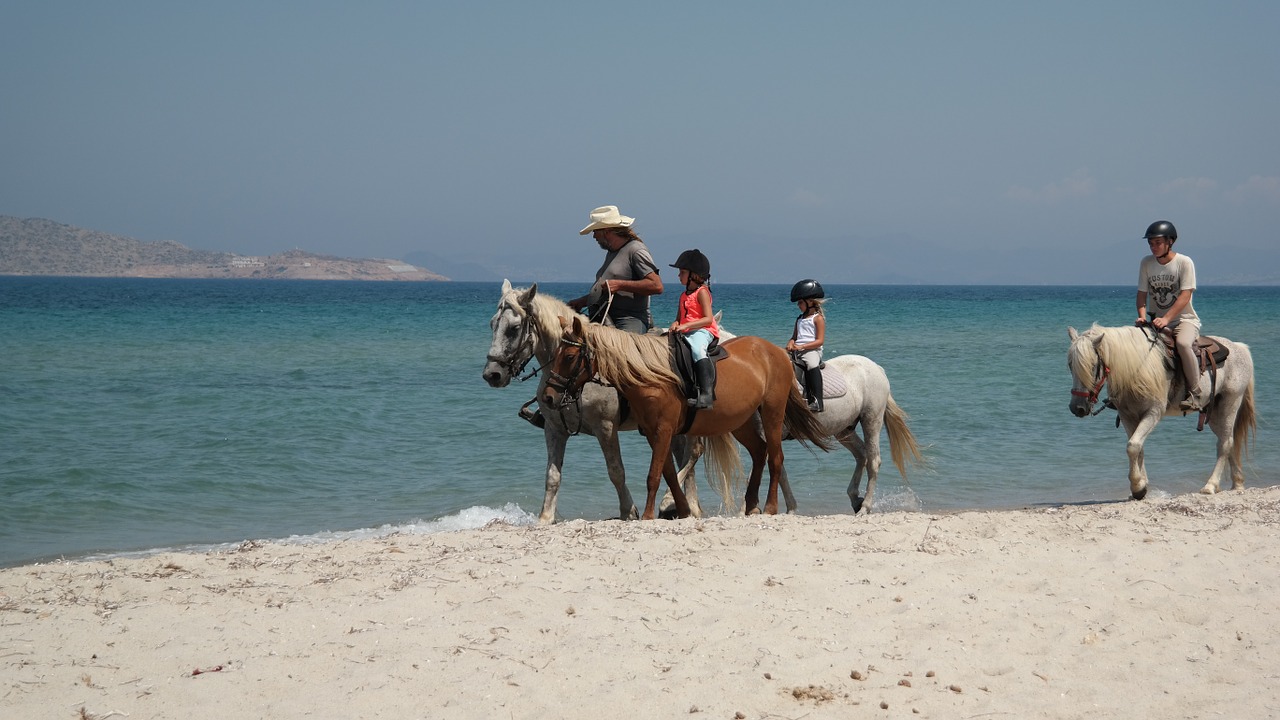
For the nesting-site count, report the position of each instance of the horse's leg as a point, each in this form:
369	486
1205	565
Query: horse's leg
871	427
753	440
783	483
1223	421
662	467
772	454
785	486
850	440
1138	430
686	452
607	436
556	440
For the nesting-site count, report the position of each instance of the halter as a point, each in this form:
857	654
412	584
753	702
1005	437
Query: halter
524	347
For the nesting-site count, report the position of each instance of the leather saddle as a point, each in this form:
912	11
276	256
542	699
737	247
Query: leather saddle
682	361
1209	352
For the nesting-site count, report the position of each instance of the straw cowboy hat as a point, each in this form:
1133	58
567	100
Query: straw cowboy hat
606	217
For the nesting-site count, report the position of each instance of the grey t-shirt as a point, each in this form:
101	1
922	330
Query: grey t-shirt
1163	284
630	262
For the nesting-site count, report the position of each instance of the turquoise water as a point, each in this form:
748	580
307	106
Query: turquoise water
144	414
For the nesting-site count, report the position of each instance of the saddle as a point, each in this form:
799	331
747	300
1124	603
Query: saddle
1209	354
682	361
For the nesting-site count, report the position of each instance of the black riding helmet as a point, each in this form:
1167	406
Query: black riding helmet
695	262
806	290
1162	228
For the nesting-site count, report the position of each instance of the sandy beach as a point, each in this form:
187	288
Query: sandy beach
1156	609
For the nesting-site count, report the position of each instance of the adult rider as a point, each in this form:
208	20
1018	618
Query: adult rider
625	281
627	277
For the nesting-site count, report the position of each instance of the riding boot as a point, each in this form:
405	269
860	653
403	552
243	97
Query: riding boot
1193	401
813	387
705	373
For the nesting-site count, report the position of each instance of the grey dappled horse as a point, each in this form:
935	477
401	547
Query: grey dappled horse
1142	388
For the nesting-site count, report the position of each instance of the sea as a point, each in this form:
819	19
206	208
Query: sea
143	415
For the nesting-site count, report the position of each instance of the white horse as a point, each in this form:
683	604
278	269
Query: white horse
856	391
526	325
1143	389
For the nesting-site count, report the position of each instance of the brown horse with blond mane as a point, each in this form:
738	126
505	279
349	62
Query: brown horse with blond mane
756	376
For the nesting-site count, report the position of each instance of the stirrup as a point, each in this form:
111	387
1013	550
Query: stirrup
1191	402
530	413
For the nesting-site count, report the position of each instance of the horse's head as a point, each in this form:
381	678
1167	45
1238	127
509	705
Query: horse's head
511	347
1088	372
571	366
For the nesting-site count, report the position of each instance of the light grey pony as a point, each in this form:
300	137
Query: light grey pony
856	393
525	327
1130	362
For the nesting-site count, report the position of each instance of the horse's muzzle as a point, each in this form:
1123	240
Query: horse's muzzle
1079	409
495	375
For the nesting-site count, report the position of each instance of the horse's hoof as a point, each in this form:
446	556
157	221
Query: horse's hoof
753	511
1208	490
857	505
1139	494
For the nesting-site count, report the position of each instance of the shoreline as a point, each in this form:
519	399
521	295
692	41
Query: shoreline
1070	611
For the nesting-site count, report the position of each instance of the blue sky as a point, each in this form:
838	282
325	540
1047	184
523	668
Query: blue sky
854	142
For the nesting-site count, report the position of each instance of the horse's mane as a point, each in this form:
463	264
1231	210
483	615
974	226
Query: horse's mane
1137	365
624	358
546	311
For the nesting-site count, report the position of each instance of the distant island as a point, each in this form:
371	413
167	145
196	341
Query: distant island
34	246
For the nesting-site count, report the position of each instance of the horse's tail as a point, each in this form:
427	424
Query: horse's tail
902	444
1246	424
724	468
801	424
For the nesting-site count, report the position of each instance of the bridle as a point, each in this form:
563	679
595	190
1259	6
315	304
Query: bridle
582	364
1100	376
524	347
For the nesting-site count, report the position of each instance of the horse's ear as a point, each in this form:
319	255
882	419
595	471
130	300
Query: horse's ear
506	286
579	326
1071	333
564	323
526	298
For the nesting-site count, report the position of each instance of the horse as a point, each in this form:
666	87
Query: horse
756	377
526	326
1143	389
866	401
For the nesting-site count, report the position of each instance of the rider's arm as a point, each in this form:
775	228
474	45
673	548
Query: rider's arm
1142	307
650	284
1184	299
704	302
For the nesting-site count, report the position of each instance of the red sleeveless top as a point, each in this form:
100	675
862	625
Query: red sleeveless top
689	309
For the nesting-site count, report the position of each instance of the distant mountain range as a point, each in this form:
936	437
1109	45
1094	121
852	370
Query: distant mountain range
33	246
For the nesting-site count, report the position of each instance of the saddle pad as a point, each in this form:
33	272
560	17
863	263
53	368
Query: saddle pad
833	383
